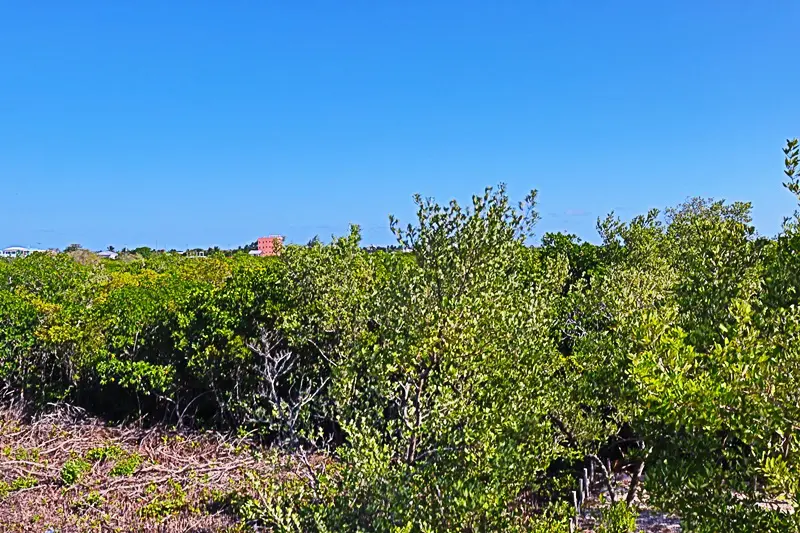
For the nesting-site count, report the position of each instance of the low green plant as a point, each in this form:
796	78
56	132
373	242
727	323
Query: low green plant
24	482
21	454
171	502
73	470
90	500
619	517
126	466
283	505
104	453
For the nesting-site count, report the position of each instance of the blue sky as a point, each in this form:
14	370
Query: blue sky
210	123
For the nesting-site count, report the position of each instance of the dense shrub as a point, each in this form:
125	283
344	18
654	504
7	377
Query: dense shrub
459	382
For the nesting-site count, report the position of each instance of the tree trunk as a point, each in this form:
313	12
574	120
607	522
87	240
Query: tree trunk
635	483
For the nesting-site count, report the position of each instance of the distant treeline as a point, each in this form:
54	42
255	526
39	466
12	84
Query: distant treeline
145	252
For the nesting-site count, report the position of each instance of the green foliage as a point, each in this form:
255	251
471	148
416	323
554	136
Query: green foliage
281	506
792	153
73	469
436	405
21	453
618	518
126	465
104	453
23	482
583	258
165	503
91	500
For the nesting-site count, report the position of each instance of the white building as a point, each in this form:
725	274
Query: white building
107	254
19	251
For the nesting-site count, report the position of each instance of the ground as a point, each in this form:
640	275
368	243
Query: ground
69	473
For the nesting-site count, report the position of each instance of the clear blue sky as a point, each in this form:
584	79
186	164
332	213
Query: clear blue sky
211	123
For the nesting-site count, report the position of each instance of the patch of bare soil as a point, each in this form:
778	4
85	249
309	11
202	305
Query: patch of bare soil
66	473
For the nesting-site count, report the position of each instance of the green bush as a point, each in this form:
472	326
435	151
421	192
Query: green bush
618	518
126	465
164	504
73	470
104	453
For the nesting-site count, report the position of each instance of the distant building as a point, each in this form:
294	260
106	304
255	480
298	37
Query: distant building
107	254
268	246
254	252
19	251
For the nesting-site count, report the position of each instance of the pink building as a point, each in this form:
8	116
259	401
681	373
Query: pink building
270	245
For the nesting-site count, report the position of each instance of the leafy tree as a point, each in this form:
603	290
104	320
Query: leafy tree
143	251
583	257
435	397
